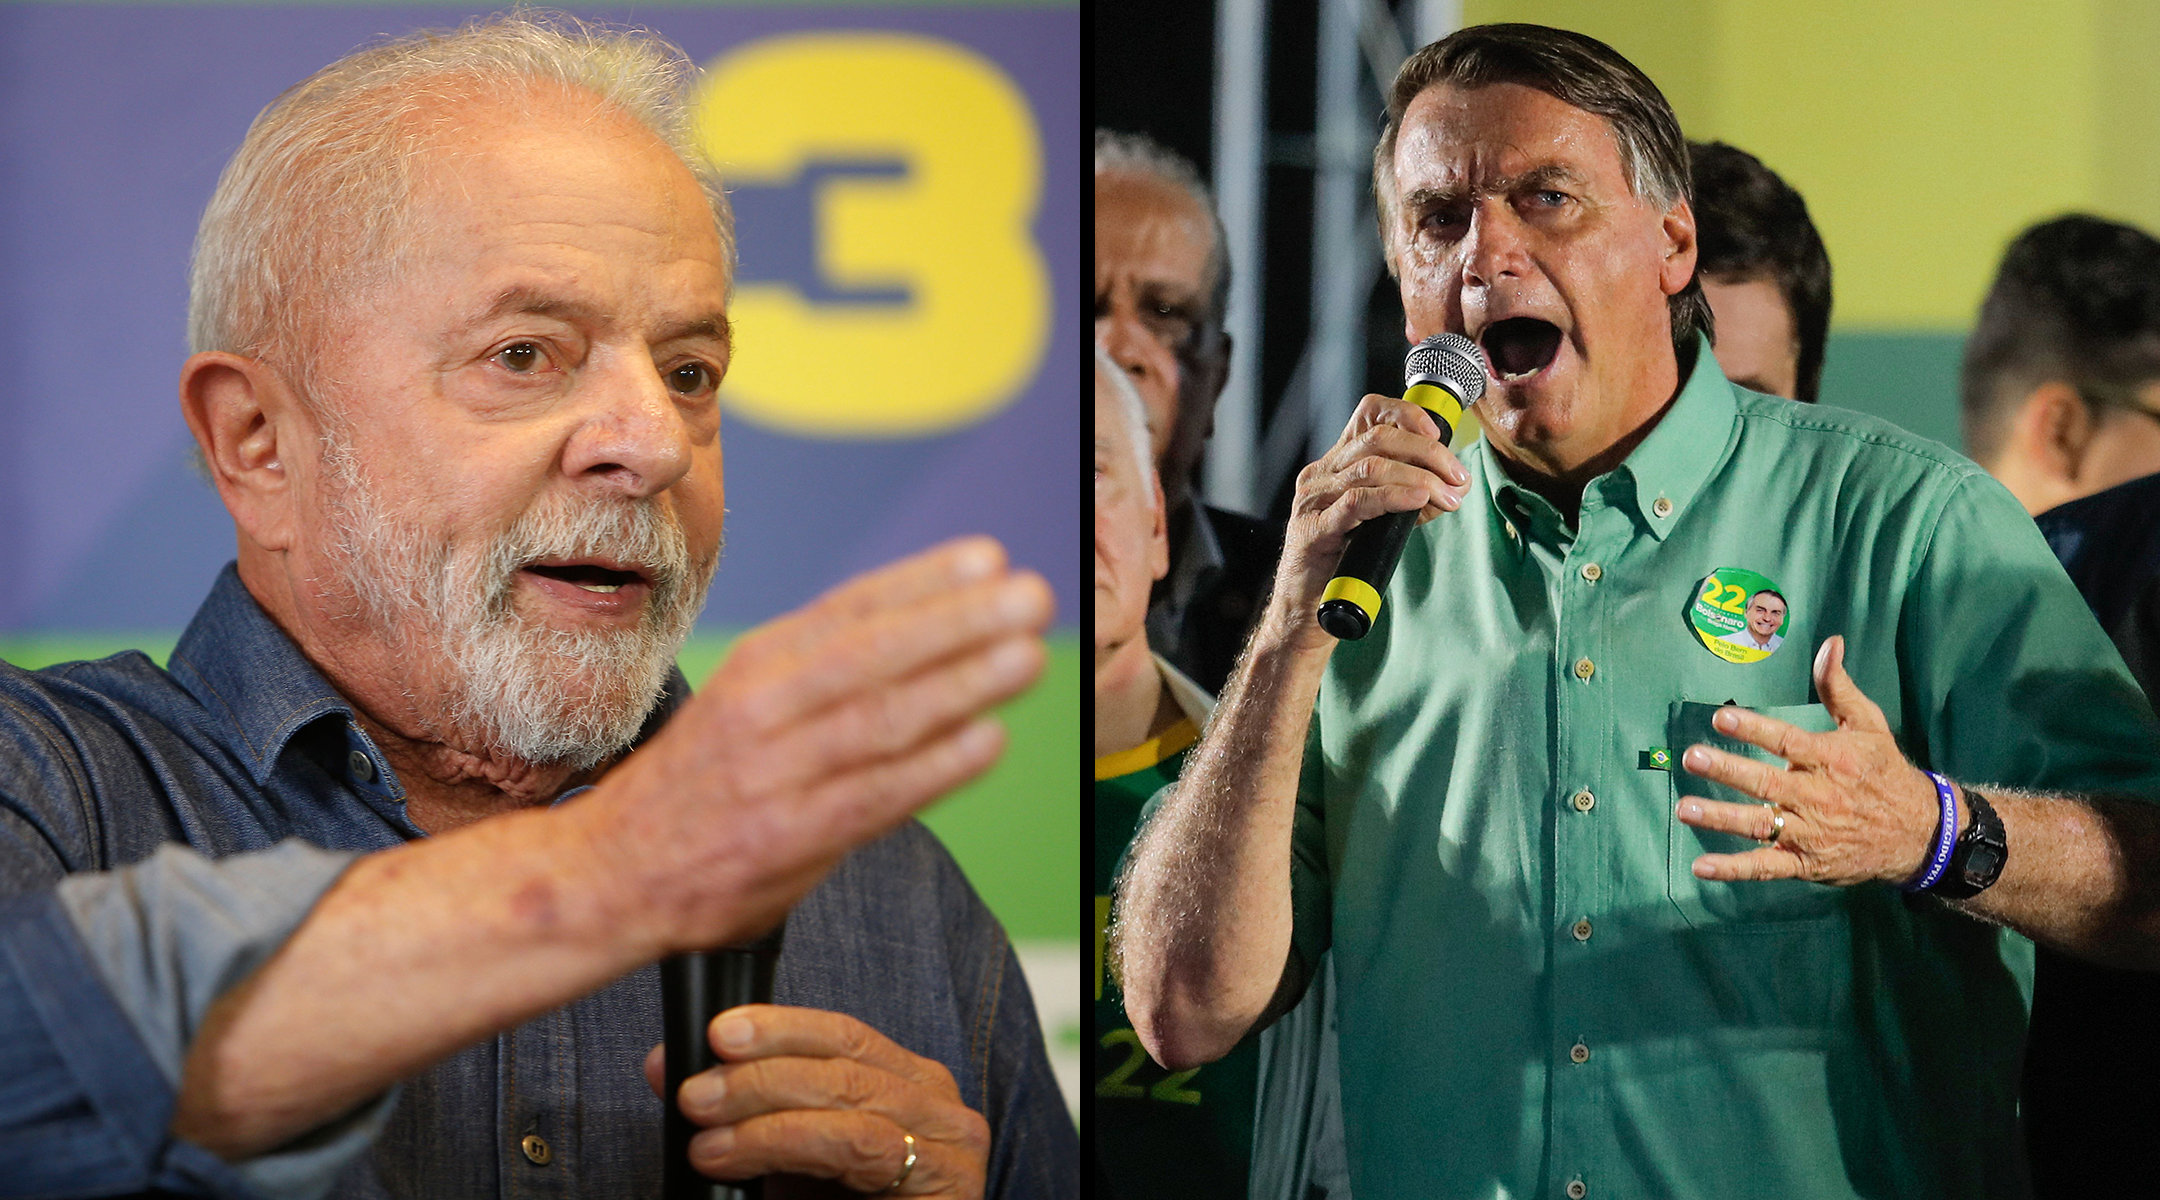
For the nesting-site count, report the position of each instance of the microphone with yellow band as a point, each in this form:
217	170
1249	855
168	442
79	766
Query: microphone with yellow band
1444	375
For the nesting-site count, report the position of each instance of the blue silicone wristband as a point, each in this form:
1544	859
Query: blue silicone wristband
1945	838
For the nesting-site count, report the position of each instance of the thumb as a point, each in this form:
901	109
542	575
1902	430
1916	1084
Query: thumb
1846	702
656	1070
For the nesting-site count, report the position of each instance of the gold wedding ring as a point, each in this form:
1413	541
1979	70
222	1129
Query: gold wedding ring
1777	825
907	1168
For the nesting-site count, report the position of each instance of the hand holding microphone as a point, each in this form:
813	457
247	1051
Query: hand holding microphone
801	1092
1356	505
694	989
823	729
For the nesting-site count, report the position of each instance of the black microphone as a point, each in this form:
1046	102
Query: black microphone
695	988
1443	375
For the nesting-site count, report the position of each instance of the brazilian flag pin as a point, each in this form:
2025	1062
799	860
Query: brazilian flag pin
1657	759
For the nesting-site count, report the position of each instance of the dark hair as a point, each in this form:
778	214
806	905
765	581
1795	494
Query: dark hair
1750	224
1576	70
1761	592
2076	300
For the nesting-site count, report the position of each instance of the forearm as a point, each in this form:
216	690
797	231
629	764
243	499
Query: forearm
1204	909
413	954
2080	876
823	730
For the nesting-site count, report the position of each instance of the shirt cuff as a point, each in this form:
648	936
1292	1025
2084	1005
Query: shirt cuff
83	1108
167	937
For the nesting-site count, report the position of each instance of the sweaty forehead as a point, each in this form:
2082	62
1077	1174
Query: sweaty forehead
1475	139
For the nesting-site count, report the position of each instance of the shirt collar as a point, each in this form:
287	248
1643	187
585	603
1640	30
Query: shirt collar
1199	557
240	665
1191	698
1671	465
1664	472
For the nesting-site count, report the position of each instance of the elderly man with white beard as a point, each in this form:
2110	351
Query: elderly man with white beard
420	796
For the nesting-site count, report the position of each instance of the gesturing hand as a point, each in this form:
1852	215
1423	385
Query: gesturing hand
1854	809
818	1093
822	730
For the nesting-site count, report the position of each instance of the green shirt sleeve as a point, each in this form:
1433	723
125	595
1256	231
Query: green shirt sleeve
2009	680
1311	910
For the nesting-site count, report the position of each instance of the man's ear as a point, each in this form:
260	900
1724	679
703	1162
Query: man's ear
1159	535
1678	264
2053	428
240	410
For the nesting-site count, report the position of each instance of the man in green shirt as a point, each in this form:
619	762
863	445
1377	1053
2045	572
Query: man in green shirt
1591	937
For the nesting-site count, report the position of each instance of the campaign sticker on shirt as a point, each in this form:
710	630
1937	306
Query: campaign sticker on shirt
1740	615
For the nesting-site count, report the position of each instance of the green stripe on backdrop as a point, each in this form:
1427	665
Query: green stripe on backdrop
1904	376
1016	831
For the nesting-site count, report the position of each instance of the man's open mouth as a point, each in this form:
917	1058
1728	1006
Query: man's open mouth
589	576
1520	347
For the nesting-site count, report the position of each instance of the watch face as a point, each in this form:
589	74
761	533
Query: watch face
1985	862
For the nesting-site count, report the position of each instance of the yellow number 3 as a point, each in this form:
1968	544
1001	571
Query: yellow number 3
950	232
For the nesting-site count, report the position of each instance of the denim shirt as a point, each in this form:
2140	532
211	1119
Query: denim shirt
243	744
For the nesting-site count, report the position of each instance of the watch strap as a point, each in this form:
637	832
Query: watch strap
1977	860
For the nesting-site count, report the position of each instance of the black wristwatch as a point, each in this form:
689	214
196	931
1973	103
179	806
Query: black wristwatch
1978	858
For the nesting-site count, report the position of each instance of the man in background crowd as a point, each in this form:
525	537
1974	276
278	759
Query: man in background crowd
1162	276
1765	271
2062	397
2061	381
1191	1134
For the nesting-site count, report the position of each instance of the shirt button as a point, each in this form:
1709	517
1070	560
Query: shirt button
1582	934
1661	507
1583	801
1592	572
1584	668
1578	1053
362	767
1510	527
1577	1189
536	1149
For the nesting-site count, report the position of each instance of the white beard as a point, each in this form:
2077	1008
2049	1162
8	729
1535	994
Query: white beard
519	689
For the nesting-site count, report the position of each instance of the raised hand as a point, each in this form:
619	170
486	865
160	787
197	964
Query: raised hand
822	730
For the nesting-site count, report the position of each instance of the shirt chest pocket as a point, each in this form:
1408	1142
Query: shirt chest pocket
1706	903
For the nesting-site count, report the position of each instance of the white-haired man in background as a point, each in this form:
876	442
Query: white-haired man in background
1265	1121
459	315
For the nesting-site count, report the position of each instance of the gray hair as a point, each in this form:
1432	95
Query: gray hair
317	201
1138	154
1132	412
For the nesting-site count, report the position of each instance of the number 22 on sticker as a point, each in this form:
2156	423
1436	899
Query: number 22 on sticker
1734	596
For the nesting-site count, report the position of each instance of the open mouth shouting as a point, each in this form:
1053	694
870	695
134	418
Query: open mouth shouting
1519	347
595	585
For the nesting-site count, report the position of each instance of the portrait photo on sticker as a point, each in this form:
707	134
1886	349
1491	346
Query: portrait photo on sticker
1739	615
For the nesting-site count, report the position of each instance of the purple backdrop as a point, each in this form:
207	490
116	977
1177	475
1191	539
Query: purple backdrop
114	122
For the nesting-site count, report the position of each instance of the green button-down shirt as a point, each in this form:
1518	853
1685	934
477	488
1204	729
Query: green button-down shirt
1535	989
